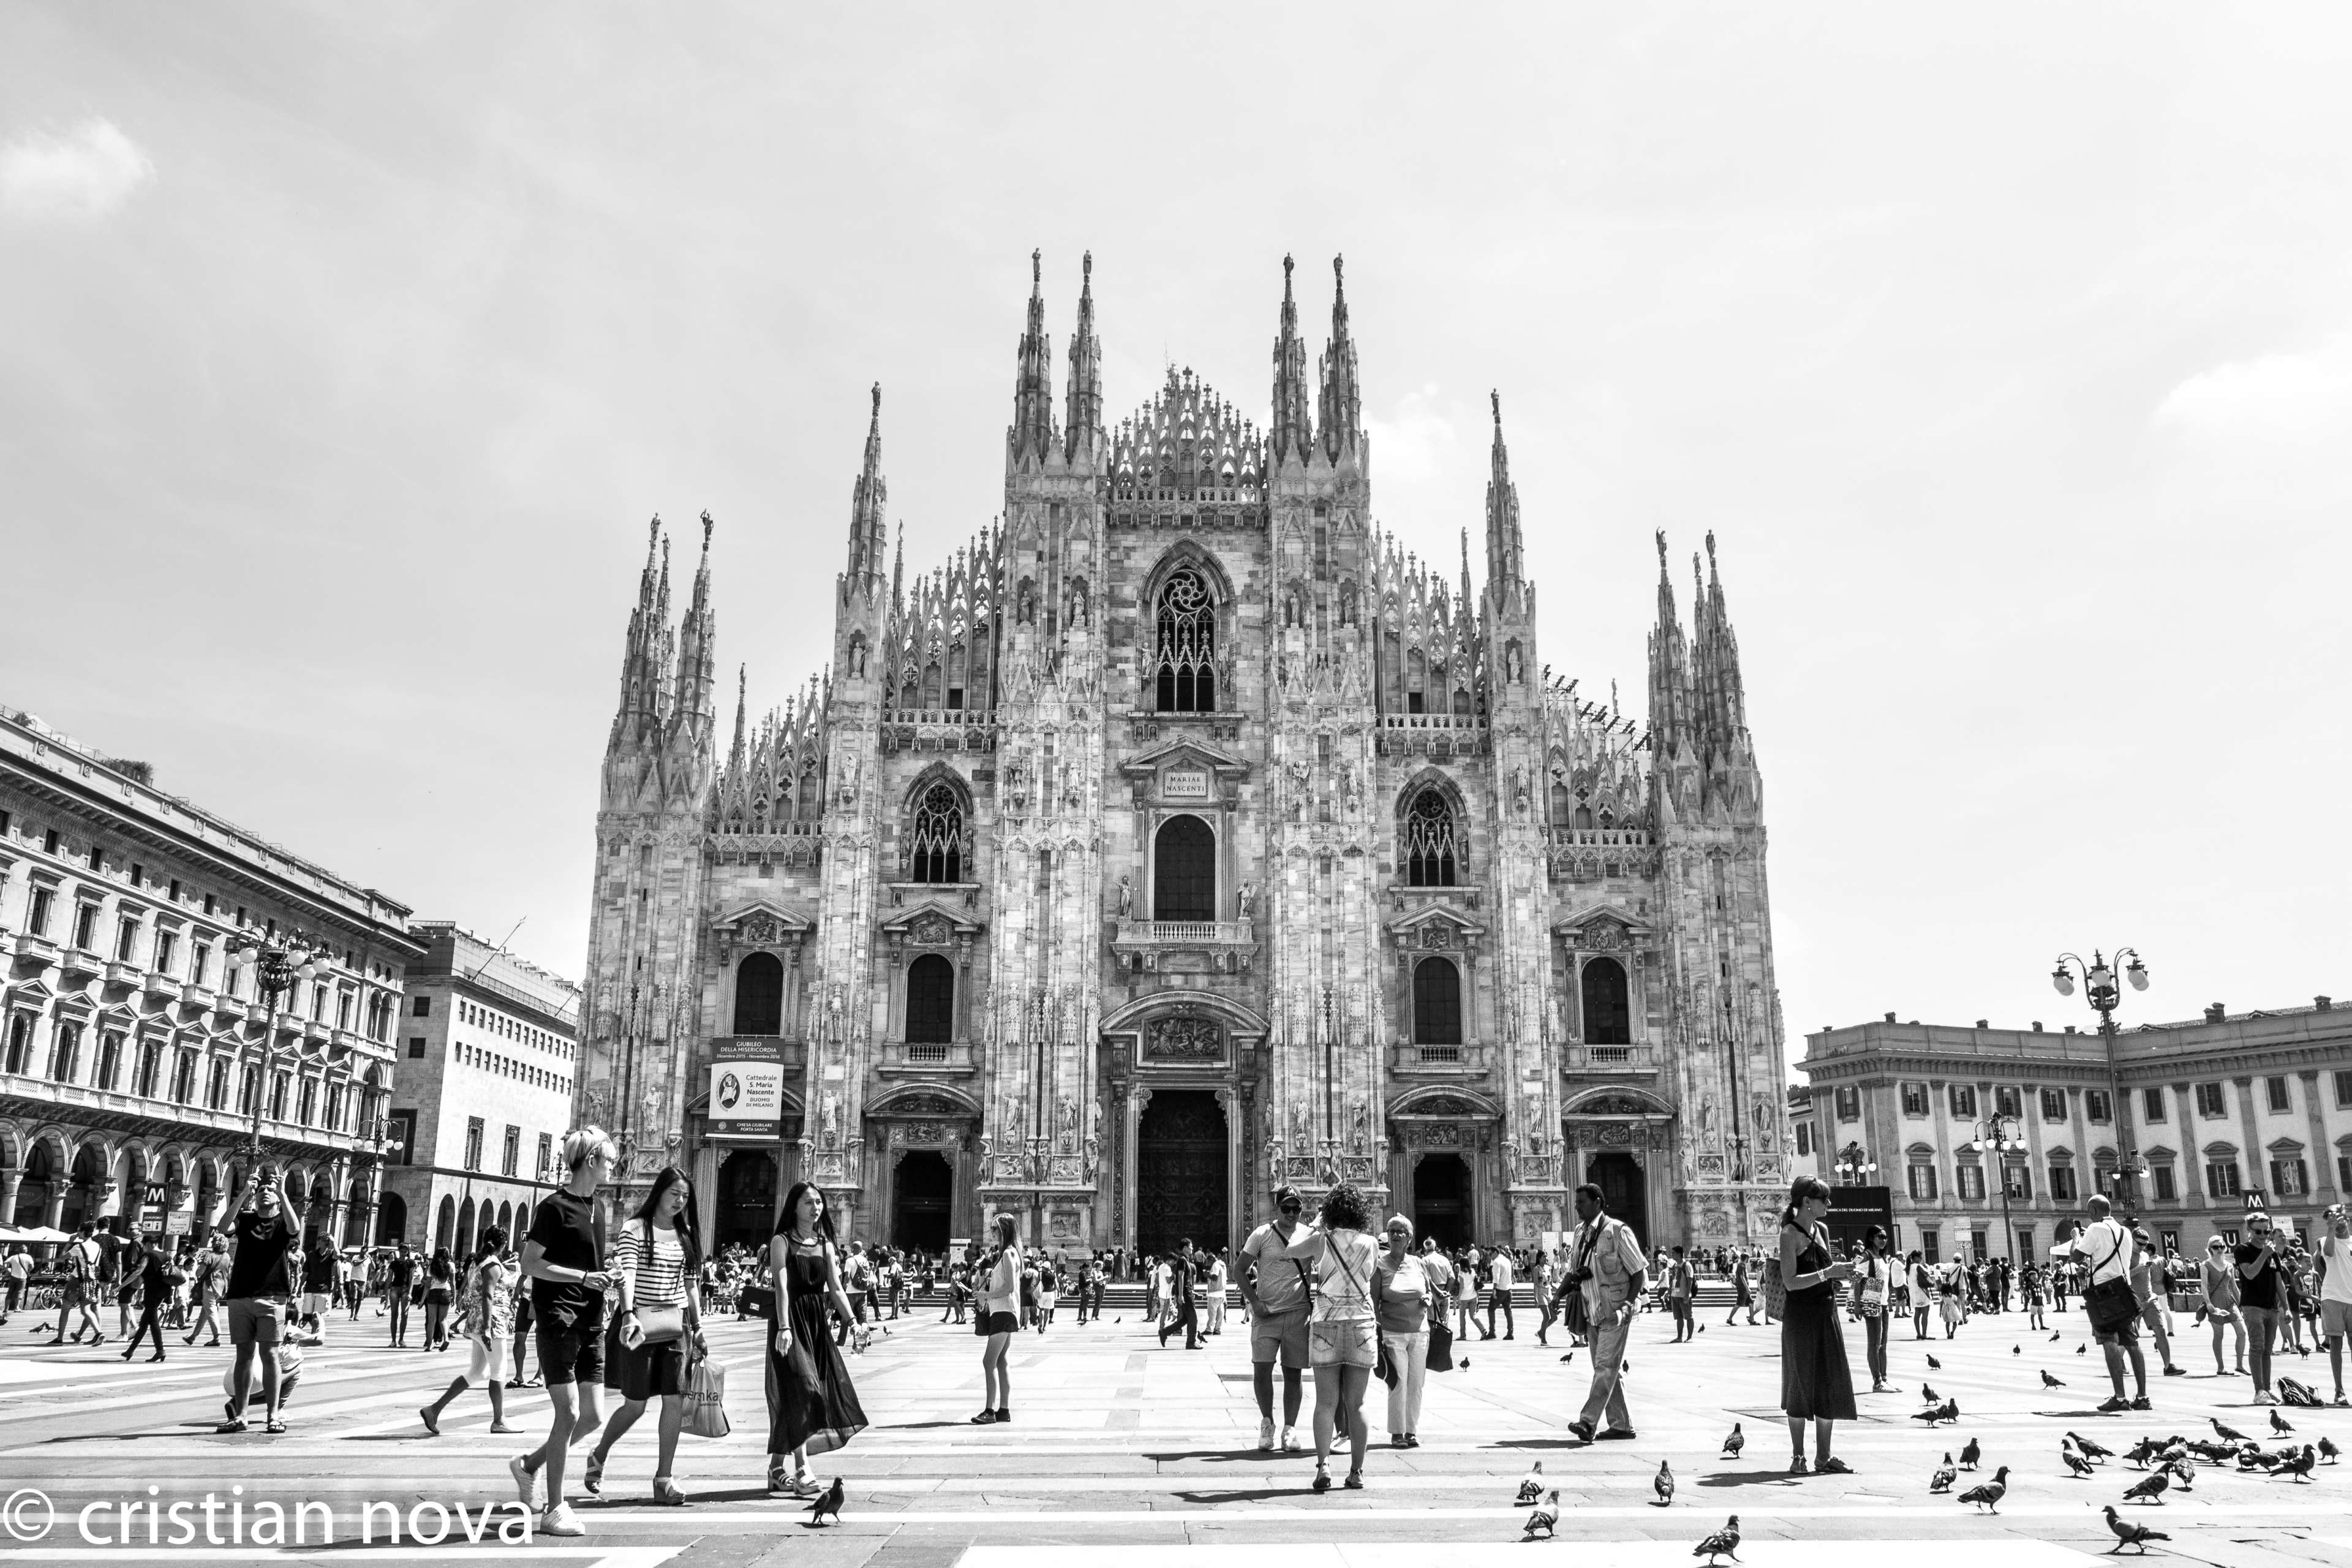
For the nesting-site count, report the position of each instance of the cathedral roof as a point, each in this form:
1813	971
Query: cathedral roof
1186	438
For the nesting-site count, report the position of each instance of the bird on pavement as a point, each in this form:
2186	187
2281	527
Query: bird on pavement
1545	1516
1663	1483
1970	1455
828	1502
1941	1481
1987	1496
2130	1533
2327	1450
2082	1350
1464	1363
2050	1382
2230	1433
2212	1452
2280	1424
2183	1474
2092	1451
1532	1487
1935	1365
1947	1411
2148	1490
1568	1357
2055	1336
2075	1461
1723	1542
2141	1452
1927	1392
2300	1466
1734	1443
2016	1350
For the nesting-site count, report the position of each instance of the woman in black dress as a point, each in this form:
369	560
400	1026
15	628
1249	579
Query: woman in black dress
1814	1384
812	1407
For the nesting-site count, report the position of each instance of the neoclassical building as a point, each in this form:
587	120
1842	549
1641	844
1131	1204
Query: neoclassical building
1183	835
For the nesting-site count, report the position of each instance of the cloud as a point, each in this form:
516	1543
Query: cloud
1419	443
2272	424
86	172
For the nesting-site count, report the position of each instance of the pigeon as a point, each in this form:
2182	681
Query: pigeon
2075	1461
2280	1424
1723	1542
1568	1357
1702	1327
2082	1350
1464	1363
2212	1452
1987	1496
1733	1443
1935	1365
2015	1350
2050	1382
1970	1455
1663	1483
2093	1451
2183	1474
1947	1411
2148	1490
2055	1336
2128	1533
2328	1451
1544	1517
1927	1392
1941	1481
2139	1453
828	1502
2300	1466
1532	1487
2230	1433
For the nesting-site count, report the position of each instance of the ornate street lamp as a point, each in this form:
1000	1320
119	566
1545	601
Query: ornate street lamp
276	964
2098	979
1853	1164
2000	1137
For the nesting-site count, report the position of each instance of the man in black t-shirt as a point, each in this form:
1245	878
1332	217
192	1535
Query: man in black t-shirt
399	1278
259	1286
564	1262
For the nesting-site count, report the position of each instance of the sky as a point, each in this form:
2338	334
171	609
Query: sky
2006	350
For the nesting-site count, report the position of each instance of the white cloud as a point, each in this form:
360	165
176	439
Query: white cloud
2274	424
86	173
1416	445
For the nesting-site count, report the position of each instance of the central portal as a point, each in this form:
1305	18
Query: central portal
925	1190
1440	1186
1179	1171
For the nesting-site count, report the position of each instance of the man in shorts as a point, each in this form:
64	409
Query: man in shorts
2335	1290
2148	1284
14	1271
1274	1289
258	1295
2106	1247
565	1266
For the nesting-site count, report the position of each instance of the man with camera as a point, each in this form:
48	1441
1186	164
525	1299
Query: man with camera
1609	1272
260	1289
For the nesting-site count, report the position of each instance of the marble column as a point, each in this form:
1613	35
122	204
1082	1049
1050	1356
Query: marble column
11	1180
1131	1153
1234	1132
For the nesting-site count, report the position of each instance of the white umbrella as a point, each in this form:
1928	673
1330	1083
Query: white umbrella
42	1232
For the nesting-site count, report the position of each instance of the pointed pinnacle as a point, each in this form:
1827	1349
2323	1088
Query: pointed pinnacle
1036	270
1662	555
707	526
1339	277
1086	269
1710	551
1496	398
1285	278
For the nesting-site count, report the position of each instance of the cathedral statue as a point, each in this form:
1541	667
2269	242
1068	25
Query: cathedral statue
1125	897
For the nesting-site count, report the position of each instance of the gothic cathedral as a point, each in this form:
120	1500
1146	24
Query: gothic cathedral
1178	839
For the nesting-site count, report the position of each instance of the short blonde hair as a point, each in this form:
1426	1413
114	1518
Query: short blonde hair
1397	1219
583	1144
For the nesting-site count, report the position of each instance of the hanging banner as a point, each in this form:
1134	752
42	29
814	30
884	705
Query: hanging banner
747	1081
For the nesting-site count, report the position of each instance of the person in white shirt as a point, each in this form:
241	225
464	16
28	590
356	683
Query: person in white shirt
1501	1275
2335	1291
2106	1247
1218	1279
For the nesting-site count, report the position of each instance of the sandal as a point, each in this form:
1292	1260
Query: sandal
1834	1465
666	1494
1322	1479
1797	1465
1355	1482
274	1425
591	1474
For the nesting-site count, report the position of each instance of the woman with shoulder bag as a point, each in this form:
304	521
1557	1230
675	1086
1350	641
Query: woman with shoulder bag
1873	1299
654	1340
490	1322
815	1407
1815	1384
996	1317
1401	1310
1342	1337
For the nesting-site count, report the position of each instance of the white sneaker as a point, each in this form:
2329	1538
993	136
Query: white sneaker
2266	1399
561	1521
525	1481
1266	1434
1290	1440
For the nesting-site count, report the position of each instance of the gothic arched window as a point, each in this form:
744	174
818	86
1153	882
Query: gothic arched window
1184	872
1608	1021
931	1001
936	844
760	996
1186	647
1429	841
1436	1003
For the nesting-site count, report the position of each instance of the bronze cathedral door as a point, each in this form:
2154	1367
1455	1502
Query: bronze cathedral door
1180	1182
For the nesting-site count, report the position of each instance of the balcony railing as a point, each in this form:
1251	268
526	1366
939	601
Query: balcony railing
1609	1059
1433	722
1219	931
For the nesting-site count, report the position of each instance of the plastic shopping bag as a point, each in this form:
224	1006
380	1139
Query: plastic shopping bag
706	1400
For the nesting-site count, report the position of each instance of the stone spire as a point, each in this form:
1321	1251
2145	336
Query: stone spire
1082	427
742	687
1293	431
1505	553
692	701
1343	404
1670	698
1032	435
1722	701
865	504
640	705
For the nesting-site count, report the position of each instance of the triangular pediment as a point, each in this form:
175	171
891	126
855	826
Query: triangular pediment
1595	918
763	924
31	994
1180	752
1434	924
932	921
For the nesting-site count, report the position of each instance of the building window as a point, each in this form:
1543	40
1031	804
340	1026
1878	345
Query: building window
2221	1178
1184	871
2053	1105
1436	1003
2151	1105
1185	652
415	1047
2344	1172
36	919
1927	1244
473	1142
2095	1107
931	1001
249	1089
936	850
200	965
510	1156
184	1077
20	1042
759	994
307	1102
2062	1184
1970	1182
1915	1099
1964	1102
85	926
546	1153
2344	1091
2019	1179
2275	1087
66	1056
150	1062
2290	1177
1923	1186
2006	1100
2168	1189
278	1083
1804	1139
109	1060
1429	841
97	859
126	939
217	1084
167	946
1608	1010
422	1007
1849	1104
2209	1101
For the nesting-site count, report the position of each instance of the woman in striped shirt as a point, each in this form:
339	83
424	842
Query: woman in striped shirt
657	1336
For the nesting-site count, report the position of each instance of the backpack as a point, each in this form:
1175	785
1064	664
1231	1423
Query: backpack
109	1271
2293	1392
1775	1290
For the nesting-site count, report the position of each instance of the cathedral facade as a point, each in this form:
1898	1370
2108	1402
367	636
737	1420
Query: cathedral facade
1178	839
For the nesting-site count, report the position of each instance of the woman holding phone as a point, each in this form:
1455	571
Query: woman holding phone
1815	1384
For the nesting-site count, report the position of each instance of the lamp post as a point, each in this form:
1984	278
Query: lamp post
2098	978
1854	1163
2000	1137
275	964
